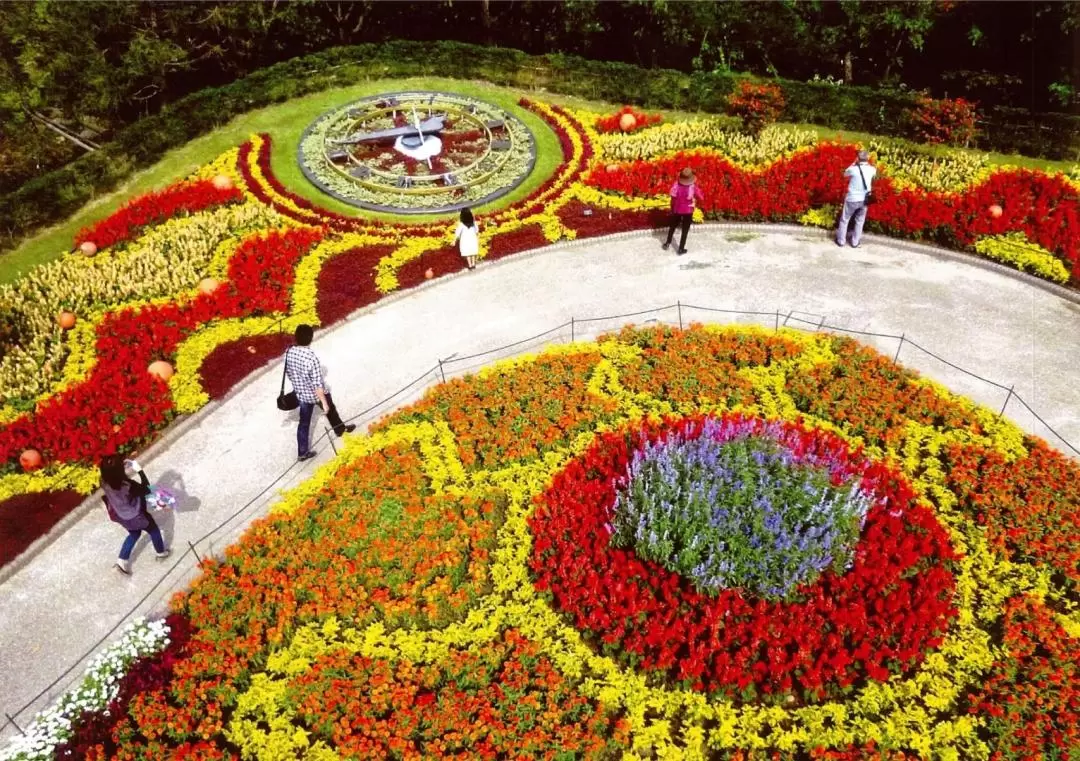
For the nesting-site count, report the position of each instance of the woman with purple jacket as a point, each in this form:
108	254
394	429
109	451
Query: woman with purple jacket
683	194
125	502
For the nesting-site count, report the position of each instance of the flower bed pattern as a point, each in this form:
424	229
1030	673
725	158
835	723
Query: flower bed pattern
387	609
887	610
182	198
97	371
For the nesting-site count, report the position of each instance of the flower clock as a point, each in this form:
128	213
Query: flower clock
415	152
718	543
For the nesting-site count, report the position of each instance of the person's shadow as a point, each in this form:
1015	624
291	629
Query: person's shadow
185	503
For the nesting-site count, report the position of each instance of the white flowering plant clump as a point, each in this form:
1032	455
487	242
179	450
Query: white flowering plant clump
98	687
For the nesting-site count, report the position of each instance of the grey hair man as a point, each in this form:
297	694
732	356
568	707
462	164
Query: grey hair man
860	181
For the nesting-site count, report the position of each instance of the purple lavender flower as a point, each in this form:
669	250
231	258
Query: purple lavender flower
734	507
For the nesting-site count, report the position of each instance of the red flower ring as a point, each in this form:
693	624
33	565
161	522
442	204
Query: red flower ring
875	620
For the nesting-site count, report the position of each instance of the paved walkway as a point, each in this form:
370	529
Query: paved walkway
64	599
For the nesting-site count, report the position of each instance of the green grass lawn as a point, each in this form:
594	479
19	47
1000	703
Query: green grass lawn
285	123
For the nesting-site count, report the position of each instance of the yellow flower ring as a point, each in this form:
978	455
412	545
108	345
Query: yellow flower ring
486	449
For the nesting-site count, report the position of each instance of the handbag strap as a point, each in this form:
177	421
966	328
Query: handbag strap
284	370
858	168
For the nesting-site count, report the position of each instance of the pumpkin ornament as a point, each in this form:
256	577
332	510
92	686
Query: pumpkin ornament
430	273
30	459
66	320
161	369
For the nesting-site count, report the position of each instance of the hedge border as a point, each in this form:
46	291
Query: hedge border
58	194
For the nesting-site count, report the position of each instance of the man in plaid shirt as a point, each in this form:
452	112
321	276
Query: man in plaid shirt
305	374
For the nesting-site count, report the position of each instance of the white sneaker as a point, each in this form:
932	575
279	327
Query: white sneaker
163	554
124	566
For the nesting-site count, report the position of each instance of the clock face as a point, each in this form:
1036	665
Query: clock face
417	152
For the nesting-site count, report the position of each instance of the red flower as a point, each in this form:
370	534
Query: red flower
181	198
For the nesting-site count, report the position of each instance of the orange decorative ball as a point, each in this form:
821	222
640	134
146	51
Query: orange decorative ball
223	182
996	211
627	122
251	350
66	320
208	285
88	247
430	273
161	369
30	459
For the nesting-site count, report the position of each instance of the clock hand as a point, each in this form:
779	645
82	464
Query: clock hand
429	126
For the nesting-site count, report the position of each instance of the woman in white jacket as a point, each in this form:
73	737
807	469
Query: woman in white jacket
467	236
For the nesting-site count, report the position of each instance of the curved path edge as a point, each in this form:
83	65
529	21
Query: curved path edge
186	422
60	596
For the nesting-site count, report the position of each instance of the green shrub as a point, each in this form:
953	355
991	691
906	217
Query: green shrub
757	105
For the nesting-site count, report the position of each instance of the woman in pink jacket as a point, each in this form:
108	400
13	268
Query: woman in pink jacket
683	194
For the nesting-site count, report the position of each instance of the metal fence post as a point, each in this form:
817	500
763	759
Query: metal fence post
679	305
571	330
896	358
195	552
441	373
12	722
331	440
1007	398
776	328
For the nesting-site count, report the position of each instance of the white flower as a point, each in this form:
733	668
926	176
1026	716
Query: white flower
98	687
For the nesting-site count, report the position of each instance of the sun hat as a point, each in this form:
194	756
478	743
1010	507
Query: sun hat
686	176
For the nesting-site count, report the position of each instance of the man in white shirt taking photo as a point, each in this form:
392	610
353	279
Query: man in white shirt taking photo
860	178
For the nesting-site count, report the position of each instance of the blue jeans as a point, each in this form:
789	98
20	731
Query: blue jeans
133	537
303	431
852	210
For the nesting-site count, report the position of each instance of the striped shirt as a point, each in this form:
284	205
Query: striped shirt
305	373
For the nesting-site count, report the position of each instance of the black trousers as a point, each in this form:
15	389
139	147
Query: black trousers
303	430
676	221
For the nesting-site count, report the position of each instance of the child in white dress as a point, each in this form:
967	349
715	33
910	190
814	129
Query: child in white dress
467	236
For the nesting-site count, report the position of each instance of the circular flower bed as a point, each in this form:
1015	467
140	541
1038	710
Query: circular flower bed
451	587
877	617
